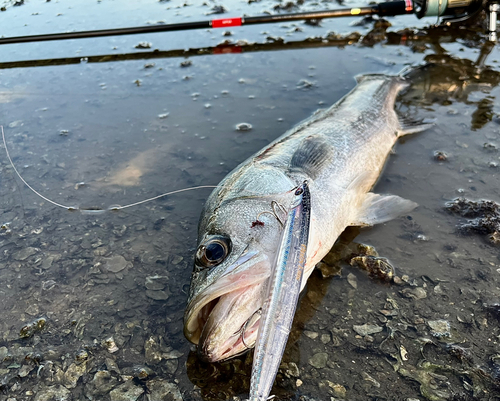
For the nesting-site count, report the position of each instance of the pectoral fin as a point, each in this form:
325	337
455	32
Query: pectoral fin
381	208
312	155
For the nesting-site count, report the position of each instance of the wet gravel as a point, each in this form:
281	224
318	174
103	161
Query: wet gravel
92	302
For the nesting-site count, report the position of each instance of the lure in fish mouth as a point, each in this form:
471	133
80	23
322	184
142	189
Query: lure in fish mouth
223	320
237	245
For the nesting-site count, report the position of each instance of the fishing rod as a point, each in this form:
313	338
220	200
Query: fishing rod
449	10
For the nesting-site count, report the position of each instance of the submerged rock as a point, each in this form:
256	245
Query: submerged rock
55	393
483	217
367	329
161	389
33	327
439	328
319	360
128	391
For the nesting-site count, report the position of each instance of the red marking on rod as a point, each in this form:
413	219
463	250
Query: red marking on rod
409	6
225	22
227	49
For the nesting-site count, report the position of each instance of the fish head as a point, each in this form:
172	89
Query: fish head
238	242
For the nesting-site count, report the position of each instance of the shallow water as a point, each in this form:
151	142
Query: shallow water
95	134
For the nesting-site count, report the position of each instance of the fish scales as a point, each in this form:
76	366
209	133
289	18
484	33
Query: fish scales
340	152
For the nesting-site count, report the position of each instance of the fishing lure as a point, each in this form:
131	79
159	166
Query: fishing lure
282	296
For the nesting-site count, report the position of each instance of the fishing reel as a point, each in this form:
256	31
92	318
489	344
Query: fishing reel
457	10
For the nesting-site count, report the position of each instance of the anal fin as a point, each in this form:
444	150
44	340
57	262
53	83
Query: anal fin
381	208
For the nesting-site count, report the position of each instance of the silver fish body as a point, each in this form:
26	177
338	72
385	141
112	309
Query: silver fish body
341	152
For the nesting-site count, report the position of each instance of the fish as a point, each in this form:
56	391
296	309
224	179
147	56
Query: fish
340	152
282	296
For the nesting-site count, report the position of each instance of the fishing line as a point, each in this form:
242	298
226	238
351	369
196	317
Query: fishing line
97	210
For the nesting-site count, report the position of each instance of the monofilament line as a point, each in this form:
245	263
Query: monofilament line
22	179
72	207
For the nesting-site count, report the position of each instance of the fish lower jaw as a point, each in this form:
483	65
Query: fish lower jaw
241	342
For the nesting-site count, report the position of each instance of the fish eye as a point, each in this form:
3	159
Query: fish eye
213	252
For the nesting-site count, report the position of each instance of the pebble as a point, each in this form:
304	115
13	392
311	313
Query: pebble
293	369
325	338
161	389
102	383
243	127
319	360
73	374
24	253
311	334
115	264
414	293
156	282
367	329
163	116
59	393
158	295
352	280
128	391
186	63
439	328
370	379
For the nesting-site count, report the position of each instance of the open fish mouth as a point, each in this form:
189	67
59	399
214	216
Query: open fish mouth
223	319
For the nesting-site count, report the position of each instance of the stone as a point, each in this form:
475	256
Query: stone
102	383
156	283
439	328
73	374
24	253
367	329
319	360
115	263
54	393
163	390
352	280
414	293
128	391
158	295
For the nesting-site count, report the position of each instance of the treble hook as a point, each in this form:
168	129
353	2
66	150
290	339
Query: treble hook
245	325
276	207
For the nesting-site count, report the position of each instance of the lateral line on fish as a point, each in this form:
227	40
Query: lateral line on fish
91	211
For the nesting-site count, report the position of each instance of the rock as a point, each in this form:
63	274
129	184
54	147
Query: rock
325	338
73	374
54	393
338	390
293	369
367	329
115	263
414	293
24	253
163	390
152	351
370	379
319	360
439	328
102	383
110	345
128	391
311	334
25	370
351	279
156	283
158	295
33	327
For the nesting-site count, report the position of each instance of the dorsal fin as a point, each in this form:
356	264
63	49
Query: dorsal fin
312	155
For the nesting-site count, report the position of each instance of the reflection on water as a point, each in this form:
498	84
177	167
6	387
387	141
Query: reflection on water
111	287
